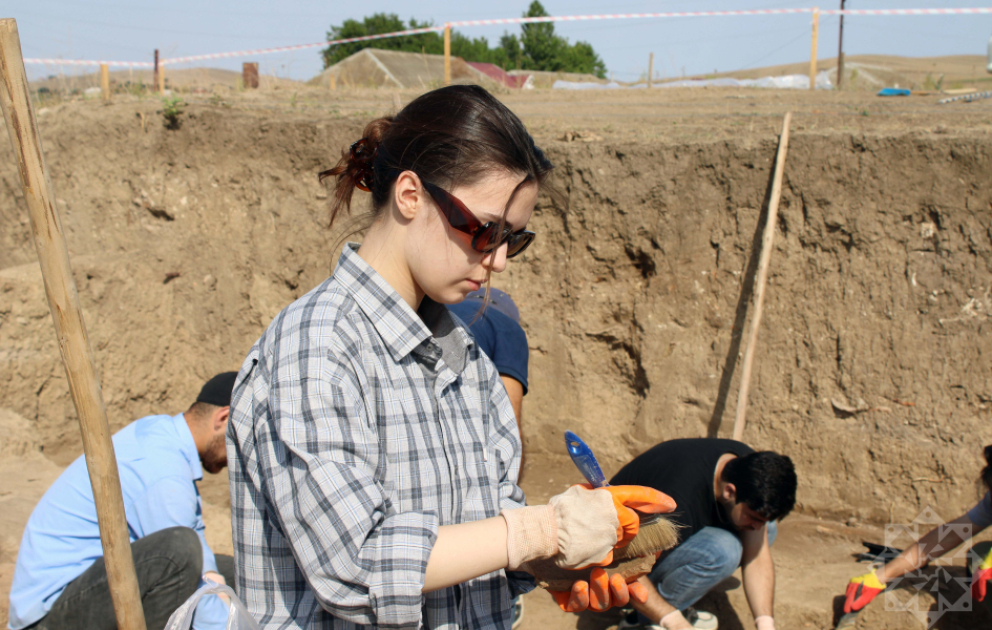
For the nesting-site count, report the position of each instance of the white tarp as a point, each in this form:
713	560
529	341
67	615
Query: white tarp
789	81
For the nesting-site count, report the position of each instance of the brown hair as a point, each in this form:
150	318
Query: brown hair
451	137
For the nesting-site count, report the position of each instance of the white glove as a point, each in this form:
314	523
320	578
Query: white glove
577	528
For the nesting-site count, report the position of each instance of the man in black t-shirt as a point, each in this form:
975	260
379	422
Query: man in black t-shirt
729	498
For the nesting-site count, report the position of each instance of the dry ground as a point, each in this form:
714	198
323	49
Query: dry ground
813	555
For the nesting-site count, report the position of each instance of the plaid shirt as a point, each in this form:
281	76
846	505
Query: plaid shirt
351	441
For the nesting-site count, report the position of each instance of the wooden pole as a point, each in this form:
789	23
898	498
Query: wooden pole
155	75
766	253
650	68
249	75
812	55
333	82
447	54
161	78
840	49
105	82
71	331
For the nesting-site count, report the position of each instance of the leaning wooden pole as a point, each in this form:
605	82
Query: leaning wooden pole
814	47
70	330
766	253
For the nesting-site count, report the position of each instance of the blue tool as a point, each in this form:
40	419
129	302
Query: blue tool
584	460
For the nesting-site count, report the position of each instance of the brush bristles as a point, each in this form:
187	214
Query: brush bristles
651	538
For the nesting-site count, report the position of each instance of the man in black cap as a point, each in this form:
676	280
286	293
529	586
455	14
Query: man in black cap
60	580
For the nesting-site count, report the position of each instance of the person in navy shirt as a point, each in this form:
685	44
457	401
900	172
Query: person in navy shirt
497	331
60	580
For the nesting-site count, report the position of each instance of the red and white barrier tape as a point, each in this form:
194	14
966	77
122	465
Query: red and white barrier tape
266	51
520	20
79	62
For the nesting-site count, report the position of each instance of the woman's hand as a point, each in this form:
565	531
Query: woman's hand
600	592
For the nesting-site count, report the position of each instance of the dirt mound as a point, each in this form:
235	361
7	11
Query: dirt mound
633	299
872	371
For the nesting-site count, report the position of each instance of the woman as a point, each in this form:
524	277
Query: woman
373	451
934	544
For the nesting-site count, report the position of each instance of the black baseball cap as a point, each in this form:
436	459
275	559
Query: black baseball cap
217	391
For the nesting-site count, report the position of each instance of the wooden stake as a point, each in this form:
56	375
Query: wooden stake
105	82
70	330
333	82
766	253
155	77
840	49
812	55
161	78
447	55
249	75
650	68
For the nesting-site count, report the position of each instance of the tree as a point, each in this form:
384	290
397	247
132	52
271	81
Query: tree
537	47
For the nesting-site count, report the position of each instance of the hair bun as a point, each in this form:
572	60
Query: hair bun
362	158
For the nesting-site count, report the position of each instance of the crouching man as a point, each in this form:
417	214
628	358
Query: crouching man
60	580
729	498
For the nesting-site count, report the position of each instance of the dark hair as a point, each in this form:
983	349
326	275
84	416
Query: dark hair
765	482
987	471
451	136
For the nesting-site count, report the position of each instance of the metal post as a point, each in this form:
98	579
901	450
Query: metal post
650	68
812	55
155	76
447	55
840	49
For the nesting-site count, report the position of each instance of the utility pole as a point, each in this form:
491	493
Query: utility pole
840	49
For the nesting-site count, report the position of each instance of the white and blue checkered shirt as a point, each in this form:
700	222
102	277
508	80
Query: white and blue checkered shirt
356	430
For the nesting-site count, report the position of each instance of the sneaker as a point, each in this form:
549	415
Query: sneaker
700	619
518	612
631	621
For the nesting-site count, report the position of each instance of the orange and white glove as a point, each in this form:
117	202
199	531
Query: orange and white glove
600	593
628	501
861	590
577	528
981	577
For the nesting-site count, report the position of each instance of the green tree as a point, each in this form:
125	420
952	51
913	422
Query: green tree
537	47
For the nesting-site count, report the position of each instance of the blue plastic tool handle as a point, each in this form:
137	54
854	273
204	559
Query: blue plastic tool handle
584	460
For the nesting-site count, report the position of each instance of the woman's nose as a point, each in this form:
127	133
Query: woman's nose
496	259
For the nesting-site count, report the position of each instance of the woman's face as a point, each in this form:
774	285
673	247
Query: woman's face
441	260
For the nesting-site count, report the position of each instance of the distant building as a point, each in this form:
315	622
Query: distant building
374	67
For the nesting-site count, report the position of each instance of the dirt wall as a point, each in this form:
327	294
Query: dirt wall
634	299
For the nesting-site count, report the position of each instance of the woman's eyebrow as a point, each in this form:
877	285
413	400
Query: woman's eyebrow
496	218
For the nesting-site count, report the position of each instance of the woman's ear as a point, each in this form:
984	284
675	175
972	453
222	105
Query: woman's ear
408	194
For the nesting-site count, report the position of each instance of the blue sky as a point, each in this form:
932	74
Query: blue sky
129	30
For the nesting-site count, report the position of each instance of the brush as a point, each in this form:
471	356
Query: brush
655	533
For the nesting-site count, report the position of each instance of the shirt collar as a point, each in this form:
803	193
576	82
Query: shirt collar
400	327
188	446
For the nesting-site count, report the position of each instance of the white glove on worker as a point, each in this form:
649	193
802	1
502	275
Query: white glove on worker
577	528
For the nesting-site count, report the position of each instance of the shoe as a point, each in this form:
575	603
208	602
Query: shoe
518	612
700	619
630	621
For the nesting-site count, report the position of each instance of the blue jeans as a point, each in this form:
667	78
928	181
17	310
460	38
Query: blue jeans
707	558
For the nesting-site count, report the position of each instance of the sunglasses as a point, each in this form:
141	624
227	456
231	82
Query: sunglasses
486	237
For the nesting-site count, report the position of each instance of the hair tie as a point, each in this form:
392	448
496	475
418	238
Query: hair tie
360	154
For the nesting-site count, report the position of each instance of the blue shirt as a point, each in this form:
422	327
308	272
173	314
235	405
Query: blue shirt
499	337
159	468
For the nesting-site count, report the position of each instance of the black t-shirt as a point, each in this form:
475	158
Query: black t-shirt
683	469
